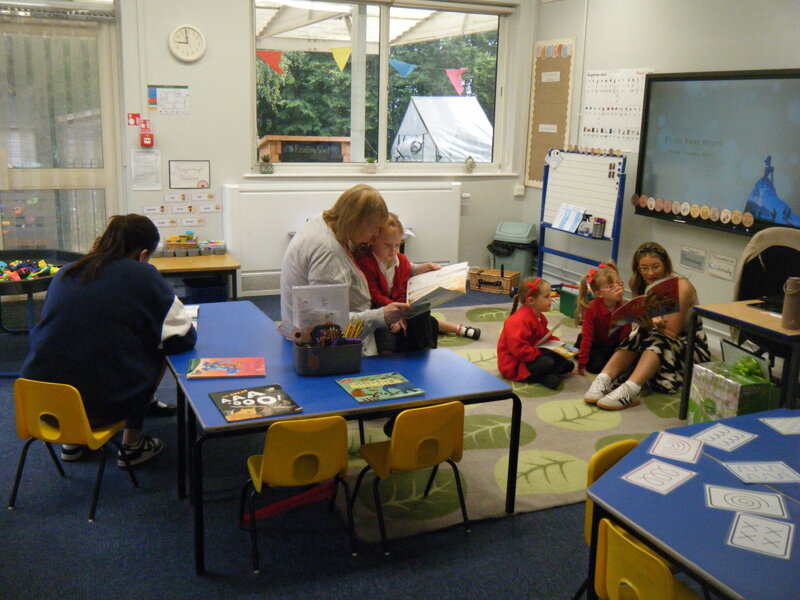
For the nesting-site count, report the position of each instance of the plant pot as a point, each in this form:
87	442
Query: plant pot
267	167
370	167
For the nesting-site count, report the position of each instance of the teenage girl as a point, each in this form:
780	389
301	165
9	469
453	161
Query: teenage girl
518	358
597	340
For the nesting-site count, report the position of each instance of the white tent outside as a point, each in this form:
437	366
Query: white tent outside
443	129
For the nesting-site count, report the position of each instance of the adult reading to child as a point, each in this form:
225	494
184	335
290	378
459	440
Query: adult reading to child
654	351
107	321
322	252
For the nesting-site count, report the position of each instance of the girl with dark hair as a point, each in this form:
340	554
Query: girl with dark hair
107	321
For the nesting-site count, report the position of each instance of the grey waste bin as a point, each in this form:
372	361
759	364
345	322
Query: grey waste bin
514	247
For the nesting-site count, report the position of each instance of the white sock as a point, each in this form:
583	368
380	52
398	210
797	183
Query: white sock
462	331
634	387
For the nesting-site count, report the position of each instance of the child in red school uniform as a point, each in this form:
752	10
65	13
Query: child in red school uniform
518	358
598	339
387	272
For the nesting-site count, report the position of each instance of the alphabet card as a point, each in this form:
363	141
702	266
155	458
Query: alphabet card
763	472
658	476
724	437
760	503
762	535
784	425
677	447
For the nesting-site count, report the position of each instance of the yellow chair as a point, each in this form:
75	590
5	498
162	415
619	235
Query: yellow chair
629	570
422	438
54	414
298	453
600	462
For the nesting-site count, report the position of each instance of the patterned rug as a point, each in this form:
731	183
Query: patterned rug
559	434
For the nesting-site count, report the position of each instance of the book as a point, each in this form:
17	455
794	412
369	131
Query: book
373	388
660	298
559	347
247	366
433	288
254	403
550	333
193	310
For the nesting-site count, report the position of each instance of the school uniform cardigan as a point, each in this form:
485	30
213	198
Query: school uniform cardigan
378	286
517	343
595	330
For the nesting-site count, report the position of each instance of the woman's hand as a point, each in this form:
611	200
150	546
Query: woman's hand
395	311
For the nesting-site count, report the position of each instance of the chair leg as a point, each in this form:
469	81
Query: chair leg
128	465
430	480
358	485
581	590
253	534
351	528
361	430
332	501
20	466
379	512
56	462
460	493
97	482
243	499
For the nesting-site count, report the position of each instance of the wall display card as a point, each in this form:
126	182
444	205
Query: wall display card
724	437
189	174
762	535
763	472
203	196
145	170
168	99
175	197
722	267
783	425
193	222
760	503
211	207
183	209
154	209
693	258
658	476
165	222
677	447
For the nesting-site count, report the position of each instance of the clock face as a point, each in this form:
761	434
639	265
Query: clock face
187	43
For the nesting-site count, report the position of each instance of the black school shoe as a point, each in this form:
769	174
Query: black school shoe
159	409
472	333
147	448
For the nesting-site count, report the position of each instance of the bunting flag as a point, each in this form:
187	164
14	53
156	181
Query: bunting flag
272	58
403	68
455	79
341	55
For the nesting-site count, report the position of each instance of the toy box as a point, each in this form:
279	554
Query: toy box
493	280
720	390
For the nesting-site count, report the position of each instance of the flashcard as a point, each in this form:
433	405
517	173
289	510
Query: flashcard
203	196
658	476
165	222
724	437
183	209
155	209
784	425
175	197
763	472
214	207
193	222
677	447
760	503
762	535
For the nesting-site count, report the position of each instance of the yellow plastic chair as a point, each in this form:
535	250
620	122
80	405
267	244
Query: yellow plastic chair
422	438
299	453
54	414
600	462
631	571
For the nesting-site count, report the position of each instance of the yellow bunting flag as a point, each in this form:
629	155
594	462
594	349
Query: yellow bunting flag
341	55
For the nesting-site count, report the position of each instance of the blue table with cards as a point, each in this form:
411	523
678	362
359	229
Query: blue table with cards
240	329
721	499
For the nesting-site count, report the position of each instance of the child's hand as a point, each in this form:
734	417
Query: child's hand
580	370
429	266
401	325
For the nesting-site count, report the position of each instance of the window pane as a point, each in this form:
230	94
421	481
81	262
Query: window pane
52	219
442	85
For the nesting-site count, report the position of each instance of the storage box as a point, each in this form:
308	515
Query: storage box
327	360
490	280
719	392
205	289
568	299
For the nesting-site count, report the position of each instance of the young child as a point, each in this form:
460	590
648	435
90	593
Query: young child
387	272
518	358
597	342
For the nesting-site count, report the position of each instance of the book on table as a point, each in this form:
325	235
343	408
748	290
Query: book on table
660	298
254	403
242	366
384	386
433	288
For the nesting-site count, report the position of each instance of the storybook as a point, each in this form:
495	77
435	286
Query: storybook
559	347
433	288
373	388
254	403
659	298
246	366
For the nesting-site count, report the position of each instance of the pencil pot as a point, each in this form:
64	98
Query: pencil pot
327	360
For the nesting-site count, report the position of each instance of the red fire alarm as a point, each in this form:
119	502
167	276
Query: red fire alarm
146	139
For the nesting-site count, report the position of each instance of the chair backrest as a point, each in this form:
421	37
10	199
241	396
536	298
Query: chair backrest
600	462
424	437
305	451
632	570
51	412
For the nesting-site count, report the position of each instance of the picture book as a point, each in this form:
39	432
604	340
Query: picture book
254	403
373	388
559	347
550	333
659	298
247	366
433	288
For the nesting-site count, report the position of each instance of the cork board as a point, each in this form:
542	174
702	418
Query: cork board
551	87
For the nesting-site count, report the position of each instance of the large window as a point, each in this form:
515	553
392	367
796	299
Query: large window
322	65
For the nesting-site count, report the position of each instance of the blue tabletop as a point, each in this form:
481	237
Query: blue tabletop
681	524
232	329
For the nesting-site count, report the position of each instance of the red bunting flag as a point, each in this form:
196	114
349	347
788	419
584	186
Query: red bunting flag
272	58
455	79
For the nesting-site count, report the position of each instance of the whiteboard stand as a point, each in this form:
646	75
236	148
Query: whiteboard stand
595	182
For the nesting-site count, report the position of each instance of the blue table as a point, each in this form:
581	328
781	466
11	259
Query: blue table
682	528
230	329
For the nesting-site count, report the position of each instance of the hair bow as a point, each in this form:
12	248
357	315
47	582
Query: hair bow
533	286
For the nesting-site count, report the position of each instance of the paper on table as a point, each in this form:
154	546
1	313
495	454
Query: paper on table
763	472
761	503
658	476
724	437
677	447
762	535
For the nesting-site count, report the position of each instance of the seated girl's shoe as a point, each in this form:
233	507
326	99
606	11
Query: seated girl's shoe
625	396
601	386
147	448
71	452
469	332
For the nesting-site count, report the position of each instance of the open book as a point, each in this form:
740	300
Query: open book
548	343
659	298
436	287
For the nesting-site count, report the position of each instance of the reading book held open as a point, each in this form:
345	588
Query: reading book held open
548	343
246	366
659	298
254	403
385	386
436	287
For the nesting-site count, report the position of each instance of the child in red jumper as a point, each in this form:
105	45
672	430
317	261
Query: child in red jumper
518	358
387	272
597	340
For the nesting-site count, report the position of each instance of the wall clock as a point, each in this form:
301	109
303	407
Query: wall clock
187	43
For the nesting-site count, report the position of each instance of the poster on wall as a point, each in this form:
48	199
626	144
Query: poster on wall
551	87
168	99
189	174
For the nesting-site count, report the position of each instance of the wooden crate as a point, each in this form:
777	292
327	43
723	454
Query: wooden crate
490	280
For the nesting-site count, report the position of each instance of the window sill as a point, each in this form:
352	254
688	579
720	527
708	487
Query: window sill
360	174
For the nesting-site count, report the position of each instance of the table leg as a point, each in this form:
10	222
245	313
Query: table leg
197	496
191	434
688	366
791	373
181	406
513	453
597	514
234	294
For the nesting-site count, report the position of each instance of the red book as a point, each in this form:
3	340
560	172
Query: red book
659	298
247	366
